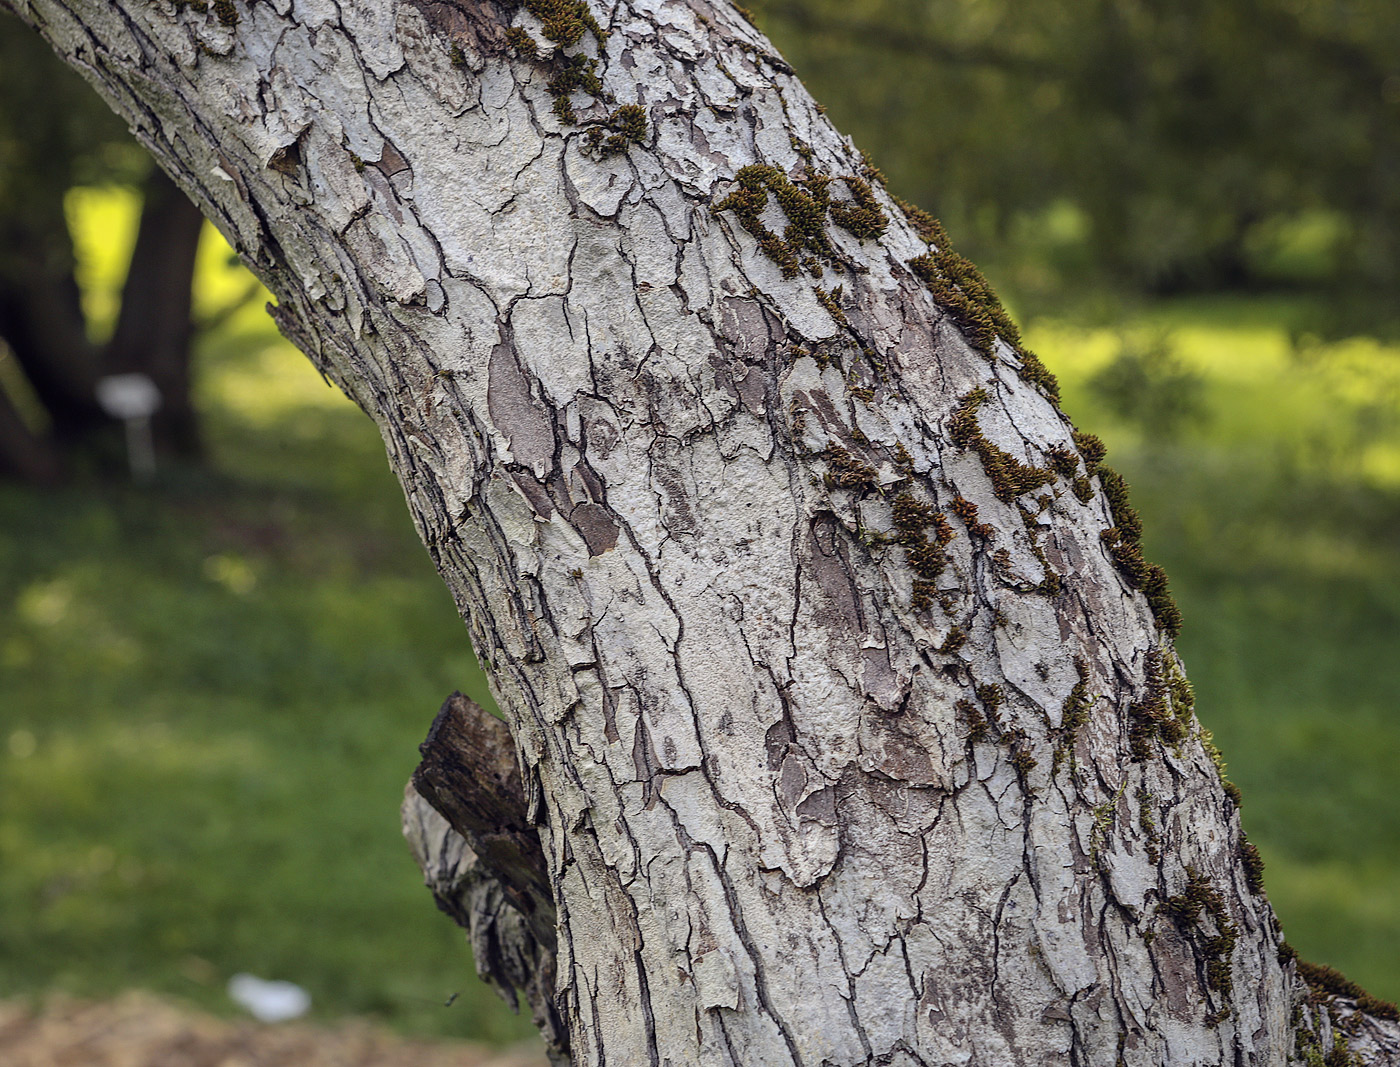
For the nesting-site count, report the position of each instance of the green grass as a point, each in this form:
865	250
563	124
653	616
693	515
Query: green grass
211	691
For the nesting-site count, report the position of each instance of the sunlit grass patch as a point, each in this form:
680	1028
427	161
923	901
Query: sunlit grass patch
1331	407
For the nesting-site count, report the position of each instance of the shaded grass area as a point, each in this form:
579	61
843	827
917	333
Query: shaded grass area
211	694
1276	512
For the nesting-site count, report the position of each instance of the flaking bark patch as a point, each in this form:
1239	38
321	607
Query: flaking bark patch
518	415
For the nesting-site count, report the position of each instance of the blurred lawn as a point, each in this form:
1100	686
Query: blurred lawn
211	695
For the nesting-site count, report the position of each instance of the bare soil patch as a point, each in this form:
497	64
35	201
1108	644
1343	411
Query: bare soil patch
141	1030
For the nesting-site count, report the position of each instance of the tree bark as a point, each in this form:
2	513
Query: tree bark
844	704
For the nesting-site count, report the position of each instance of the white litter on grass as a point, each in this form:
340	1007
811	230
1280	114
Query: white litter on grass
269	1002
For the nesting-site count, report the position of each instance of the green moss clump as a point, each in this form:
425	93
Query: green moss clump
1033	370
1122	541
845	471
803	243
563	109
1105	815
828	301
1073	715
924	224
1091	449
630	121
1010	478
566	21
975	719
872	173
911	515
863	218
1153	717
1326	982
971	318
1308	1047
225	12
1063	461
1253	864
577	74
628	125
962	425
1183	696
1125	518
966	510
957	637
992	696
927	558
962	290
1200	901
519	40
806	202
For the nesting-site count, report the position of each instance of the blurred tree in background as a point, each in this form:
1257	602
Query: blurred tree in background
1173	146
1150	146
56	134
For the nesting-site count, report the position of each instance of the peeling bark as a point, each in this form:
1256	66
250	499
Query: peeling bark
838	687
463	819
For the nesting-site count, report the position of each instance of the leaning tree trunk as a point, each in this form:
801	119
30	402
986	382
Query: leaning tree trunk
844	704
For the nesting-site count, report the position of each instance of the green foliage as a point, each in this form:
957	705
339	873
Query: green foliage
1169	146
1148	384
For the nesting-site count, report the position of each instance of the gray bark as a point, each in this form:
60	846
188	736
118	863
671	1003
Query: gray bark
847	735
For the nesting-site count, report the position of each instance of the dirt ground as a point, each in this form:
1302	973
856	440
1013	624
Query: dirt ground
140	1030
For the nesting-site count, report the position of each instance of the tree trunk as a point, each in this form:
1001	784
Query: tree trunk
154	331
43	324
844	703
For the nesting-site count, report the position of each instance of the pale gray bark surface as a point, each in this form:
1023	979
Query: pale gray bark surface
794	807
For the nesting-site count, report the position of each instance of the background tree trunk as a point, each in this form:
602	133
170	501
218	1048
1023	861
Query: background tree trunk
58	136
43	324
154	330
844	703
